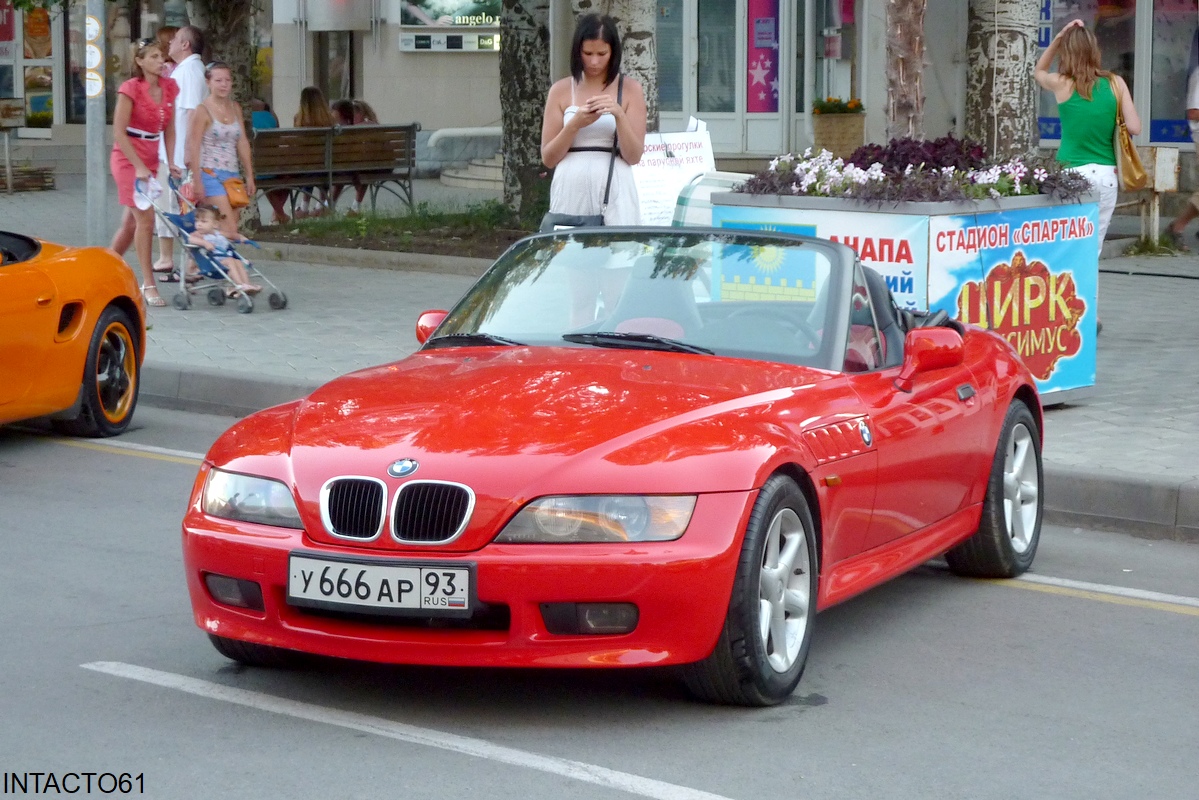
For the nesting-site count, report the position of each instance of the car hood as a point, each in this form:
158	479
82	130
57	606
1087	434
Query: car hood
516	423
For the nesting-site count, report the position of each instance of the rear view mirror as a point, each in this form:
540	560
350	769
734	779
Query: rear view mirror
928	349
427	322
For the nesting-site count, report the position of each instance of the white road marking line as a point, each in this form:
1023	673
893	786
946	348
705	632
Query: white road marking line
575	770
1119	591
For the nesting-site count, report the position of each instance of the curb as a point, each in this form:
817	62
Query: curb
1151	508
373	259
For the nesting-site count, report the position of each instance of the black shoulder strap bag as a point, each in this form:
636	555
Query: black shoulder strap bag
553	220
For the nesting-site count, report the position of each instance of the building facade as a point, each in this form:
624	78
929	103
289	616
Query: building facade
748	68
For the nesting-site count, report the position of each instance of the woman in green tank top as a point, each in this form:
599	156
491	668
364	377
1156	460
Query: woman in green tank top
1086	98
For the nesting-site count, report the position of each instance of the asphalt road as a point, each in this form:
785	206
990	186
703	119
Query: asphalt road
931	686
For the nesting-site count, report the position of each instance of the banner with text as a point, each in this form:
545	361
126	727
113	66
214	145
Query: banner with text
1029	274
670	161
896	245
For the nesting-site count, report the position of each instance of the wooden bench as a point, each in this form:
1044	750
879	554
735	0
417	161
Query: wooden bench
300	159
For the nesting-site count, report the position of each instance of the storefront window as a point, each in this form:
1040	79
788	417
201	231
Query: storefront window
8	48
668	42
836	61
264	56
335	64
1175	54
38	72
1114	24
762	49
717	90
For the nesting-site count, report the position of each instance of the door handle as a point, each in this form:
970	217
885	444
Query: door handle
45	299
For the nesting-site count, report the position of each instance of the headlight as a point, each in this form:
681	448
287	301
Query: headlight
600	518
250	499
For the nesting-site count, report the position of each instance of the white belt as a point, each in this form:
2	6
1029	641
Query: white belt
140	134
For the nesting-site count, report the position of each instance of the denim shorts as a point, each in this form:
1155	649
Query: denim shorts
214	185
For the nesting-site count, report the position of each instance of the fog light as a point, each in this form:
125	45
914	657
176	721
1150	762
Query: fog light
233	592
565	619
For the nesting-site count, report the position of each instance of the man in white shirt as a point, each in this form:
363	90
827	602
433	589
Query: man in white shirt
1191	209
186	49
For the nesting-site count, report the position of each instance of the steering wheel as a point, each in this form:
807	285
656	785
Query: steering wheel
797	326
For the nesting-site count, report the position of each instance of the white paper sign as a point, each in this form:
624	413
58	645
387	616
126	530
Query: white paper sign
669	162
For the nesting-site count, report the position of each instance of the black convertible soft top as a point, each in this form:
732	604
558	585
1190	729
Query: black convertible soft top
15	248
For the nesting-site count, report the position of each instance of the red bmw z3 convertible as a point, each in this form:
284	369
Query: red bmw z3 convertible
623	448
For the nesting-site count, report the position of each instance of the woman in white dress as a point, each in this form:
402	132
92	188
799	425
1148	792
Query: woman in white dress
581	117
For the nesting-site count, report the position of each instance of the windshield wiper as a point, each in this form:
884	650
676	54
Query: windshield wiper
636	341
468	339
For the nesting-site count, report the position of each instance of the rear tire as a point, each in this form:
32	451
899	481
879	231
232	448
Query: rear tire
216	296
763	647
182	300
254	655
111	379
278	301
244	304
1010	528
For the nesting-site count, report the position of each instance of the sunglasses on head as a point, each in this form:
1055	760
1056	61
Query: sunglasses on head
146	42
214	65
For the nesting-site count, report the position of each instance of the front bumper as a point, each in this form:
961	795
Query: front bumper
681	590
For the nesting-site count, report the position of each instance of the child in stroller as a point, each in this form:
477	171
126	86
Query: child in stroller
207	236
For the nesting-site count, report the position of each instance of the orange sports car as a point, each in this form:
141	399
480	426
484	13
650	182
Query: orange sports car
72	336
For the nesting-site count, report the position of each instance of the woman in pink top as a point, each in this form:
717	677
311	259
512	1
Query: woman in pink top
144	114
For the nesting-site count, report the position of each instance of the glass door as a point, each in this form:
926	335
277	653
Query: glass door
727	63
826	61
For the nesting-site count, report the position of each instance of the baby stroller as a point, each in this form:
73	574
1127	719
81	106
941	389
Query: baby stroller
213	279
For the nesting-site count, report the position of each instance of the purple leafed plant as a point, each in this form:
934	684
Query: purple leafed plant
911	170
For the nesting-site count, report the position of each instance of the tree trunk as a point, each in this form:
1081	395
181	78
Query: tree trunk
525	80
905	65
226	26
637	22
1001	97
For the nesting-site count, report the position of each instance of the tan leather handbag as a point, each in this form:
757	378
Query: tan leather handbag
1131	171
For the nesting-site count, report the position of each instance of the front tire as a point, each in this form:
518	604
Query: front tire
1010	528
111	379
763	647
254	655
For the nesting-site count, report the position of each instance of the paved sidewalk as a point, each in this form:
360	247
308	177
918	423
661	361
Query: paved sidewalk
1126	457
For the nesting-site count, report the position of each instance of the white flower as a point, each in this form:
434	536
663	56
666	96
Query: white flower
1040	174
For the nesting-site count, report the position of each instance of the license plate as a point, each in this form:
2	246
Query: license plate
381	587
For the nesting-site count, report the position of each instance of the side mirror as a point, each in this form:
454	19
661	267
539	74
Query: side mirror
928	349
427	322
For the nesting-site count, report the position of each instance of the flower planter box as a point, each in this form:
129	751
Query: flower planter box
840	134
1026	266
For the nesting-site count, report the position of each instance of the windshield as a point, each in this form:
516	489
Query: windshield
737	294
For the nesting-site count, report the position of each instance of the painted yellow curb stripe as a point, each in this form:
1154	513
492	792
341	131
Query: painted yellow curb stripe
122	451
1083	594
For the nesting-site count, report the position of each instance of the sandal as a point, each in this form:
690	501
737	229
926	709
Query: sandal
1176	241
194	277
163	266
171	277
249	288
155	300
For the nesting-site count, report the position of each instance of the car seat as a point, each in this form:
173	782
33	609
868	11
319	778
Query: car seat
663	305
